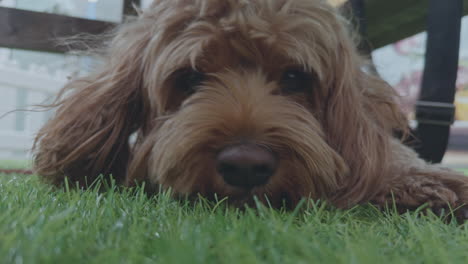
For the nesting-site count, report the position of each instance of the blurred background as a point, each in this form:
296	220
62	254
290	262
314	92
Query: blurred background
29	77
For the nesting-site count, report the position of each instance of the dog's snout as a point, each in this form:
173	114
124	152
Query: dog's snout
246	165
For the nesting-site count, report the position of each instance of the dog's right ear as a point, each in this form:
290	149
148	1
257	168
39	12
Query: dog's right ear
89	132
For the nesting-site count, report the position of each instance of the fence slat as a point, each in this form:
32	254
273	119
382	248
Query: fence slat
21	29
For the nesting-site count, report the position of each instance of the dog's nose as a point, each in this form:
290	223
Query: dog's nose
246	165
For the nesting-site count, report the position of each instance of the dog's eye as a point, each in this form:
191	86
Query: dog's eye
294	81
188	80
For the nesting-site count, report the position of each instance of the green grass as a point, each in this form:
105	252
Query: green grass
42	225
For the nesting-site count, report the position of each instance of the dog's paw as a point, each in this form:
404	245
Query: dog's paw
459	213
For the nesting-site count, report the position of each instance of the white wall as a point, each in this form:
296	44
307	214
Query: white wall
20	90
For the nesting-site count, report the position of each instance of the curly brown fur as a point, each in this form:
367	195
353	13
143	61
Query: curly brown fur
330	130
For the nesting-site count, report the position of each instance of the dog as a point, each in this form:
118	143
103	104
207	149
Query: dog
241	99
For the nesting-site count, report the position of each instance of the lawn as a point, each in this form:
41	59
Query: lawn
42	225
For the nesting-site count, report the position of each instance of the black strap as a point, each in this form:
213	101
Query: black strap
435	109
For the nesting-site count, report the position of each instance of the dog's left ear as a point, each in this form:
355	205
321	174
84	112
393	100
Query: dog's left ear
95	116
360	116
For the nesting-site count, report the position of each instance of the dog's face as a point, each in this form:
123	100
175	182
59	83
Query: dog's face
239	90
233	99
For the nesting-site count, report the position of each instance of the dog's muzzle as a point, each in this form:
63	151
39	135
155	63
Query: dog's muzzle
246	165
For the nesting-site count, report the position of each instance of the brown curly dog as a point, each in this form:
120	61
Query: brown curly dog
241	98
